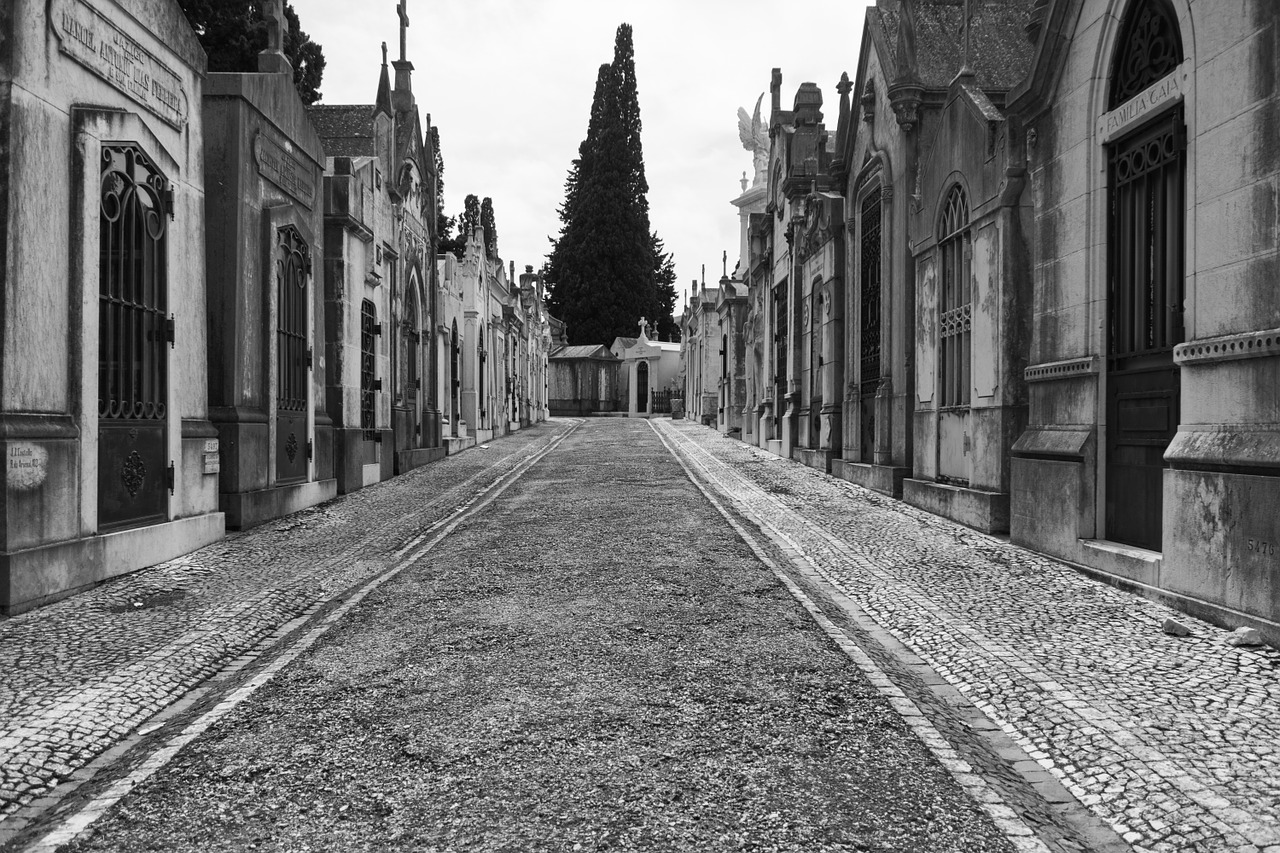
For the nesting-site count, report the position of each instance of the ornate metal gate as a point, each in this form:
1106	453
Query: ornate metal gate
780	325
869	281
368	370
1145	253
134	335
293	266
411	355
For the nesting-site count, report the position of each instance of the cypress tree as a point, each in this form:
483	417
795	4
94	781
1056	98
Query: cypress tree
604	269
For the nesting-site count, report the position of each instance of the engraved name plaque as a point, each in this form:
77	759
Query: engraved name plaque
1169	90
91	39
283	169
28	466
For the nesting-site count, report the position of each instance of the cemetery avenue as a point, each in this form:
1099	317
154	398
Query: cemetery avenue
618	634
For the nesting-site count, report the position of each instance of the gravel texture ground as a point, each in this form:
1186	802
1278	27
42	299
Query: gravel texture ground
80	675
596	662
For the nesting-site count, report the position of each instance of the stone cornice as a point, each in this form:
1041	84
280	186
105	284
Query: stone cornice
1228	348
1070	368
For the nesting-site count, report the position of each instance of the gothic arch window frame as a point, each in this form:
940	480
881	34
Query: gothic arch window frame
369	384
955	298
411	326
872	187
1148	48
293	294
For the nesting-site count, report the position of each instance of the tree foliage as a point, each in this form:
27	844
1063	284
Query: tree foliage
490	227
234	32
445	239
606	269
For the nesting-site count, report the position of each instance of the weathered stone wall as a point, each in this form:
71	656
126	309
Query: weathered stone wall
1220	487
139	64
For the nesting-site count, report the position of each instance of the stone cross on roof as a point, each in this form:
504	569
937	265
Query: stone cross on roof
403	13
272	60
643	326
274	13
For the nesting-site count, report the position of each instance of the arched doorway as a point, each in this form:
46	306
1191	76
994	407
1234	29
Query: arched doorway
642	387
455	380
1146	181
412	356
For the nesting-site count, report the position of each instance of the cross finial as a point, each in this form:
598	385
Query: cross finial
403	13
724	262
643	325
275	25
384	53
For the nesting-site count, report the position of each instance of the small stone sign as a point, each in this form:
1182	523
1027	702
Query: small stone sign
90	38
28	466
212	458
283	169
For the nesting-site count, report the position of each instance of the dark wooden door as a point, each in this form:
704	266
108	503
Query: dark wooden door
293	264
134	335
1145	304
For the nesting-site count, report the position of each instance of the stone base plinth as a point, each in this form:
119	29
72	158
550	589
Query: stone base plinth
885	479
985	511
40	575
249	509
820	459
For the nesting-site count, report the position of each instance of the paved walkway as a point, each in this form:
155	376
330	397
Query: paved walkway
1175	742
79	675
563	671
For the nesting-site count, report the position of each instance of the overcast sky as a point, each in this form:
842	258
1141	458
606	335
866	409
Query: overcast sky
509	85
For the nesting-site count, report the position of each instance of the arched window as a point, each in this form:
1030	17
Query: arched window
955	296
293	265
1150	47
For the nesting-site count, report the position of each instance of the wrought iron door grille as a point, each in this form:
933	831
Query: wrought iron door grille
1150	47
954	319
293	265
780	345
1146	240
411	339
133	336
368	323
869	281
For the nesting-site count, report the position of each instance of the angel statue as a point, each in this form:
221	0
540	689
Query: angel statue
755	138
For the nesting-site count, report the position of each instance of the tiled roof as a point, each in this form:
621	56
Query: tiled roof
346	129
582	351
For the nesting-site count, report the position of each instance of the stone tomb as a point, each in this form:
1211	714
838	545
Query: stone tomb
265	164
110	459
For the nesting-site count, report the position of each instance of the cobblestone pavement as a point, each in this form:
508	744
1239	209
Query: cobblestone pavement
595	660
79	675
1175	742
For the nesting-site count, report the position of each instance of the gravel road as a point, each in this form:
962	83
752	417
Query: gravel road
596	662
